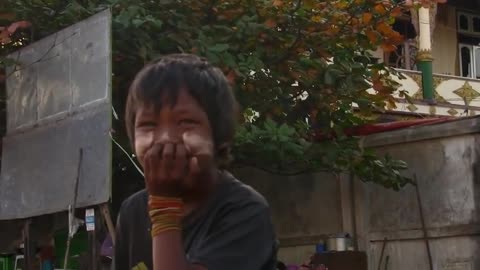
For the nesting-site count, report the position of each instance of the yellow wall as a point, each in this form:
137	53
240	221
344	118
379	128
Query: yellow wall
445	45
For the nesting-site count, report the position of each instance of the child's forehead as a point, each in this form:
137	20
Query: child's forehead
179	100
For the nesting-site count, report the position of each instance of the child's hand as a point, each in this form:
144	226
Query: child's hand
171	169
200	151
166	168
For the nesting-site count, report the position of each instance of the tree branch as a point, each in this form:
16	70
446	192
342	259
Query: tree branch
297	39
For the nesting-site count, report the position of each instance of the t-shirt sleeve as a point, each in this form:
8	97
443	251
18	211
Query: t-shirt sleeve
242	239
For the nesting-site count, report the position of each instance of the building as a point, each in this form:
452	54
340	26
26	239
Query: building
443	43
433	225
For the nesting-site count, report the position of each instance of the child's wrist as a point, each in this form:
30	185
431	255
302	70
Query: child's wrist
165	214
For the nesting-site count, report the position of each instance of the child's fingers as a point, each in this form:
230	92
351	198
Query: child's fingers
180	167
167	162
193	171
152	162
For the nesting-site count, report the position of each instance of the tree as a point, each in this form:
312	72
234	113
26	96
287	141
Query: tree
297	67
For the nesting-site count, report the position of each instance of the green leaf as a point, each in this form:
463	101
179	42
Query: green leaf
218	48
228	59
138	22
156	22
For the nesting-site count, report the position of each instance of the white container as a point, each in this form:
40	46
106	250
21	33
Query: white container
337	243
341	243
331	244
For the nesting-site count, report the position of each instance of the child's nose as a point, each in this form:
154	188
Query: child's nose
169	135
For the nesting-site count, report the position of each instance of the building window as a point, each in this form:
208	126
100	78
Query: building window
470	61
404	56
476	24
468	23
476	61
463	24
468	28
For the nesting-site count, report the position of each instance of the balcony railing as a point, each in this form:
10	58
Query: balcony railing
404	56
454	96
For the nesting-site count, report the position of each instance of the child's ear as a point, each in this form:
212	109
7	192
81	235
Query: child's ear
223	156
223	147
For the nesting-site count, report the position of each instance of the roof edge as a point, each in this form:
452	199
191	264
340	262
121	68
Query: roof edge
457	127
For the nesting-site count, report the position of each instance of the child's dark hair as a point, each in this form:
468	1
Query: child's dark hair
161	81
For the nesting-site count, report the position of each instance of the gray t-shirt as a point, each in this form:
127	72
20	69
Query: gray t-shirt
233	231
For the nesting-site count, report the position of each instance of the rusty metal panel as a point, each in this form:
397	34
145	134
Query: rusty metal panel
59	101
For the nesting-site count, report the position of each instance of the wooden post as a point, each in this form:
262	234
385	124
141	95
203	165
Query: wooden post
108	220
424	226
29	253
92	245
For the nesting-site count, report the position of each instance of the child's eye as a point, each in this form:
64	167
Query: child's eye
146	124
187	122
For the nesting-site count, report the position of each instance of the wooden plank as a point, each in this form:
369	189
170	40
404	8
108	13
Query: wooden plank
302	240
433	233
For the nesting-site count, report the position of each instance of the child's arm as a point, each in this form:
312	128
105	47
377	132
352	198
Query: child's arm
241	238
168	253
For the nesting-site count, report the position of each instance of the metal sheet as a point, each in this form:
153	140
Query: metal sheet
59	101
60	74
90	57
40	167
54	94
21	91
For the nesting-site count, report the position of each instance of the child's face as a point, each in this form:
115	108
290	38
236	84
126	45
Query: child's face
173	124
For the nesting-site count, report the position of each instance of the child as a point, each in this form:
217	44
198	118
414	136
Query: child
180	118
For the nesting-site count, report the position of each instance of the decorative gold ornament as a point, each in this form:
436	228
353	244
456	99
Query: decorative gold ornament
432	110
452	112
412	108
437	80
424	55
467	93
419	95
